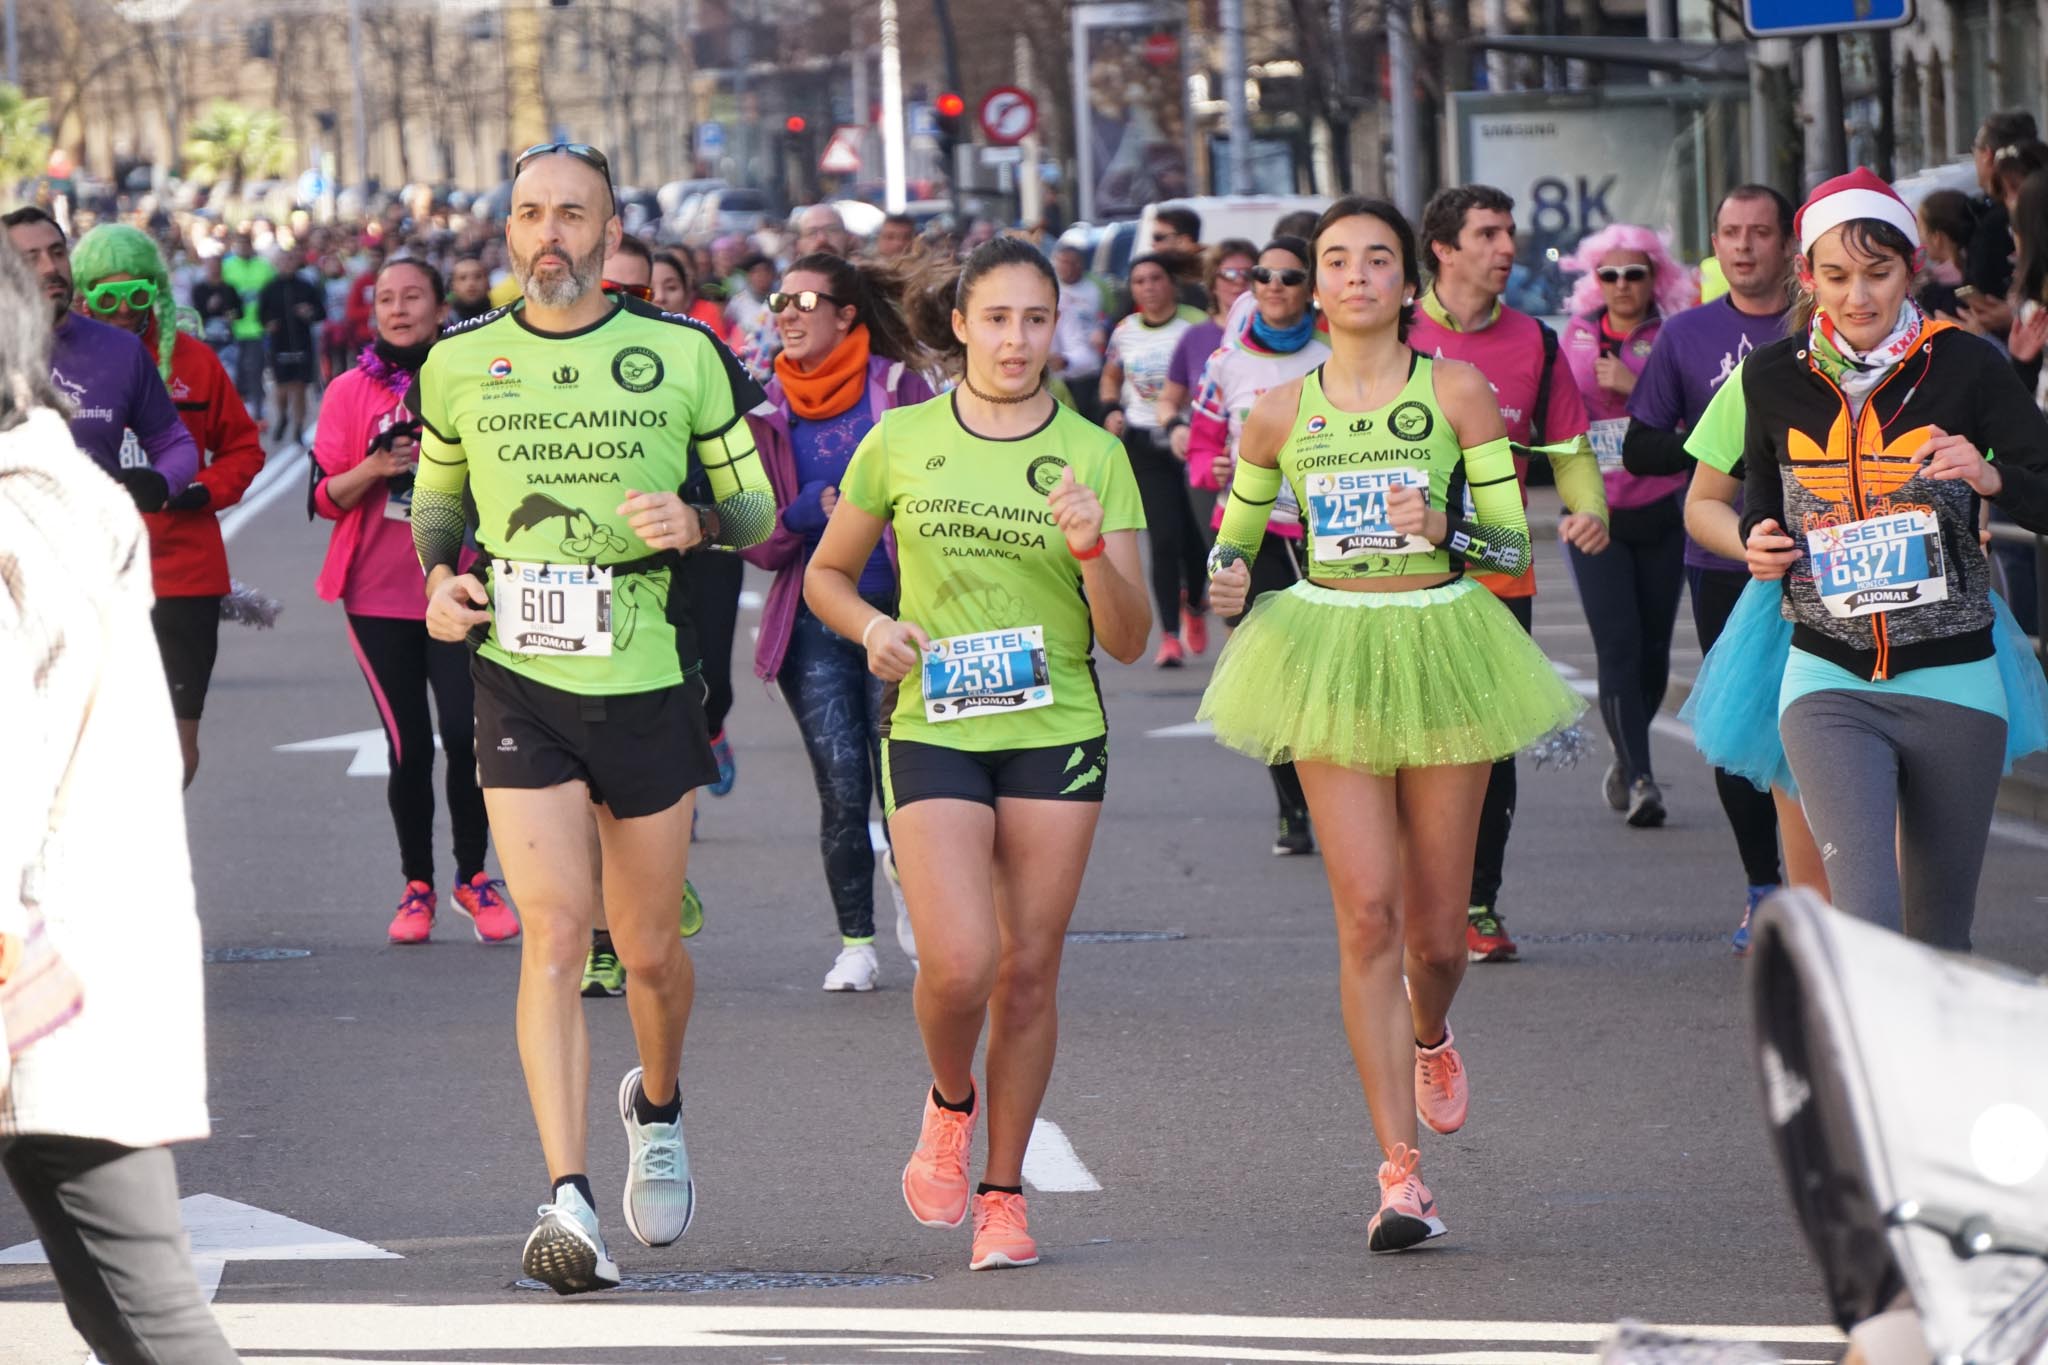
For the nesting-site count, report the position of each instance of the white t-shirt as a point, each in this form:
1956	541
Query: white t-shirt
1080	319
1146	353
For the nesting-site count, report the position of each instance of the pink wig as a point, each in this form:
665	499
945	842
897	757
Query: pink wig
1672	285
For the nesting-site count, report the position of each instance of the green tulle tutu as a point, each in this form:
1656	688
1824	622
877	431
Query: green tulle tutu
1381	681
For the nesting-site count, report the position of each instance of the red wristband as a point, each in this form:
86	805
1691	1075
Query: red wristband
1095	553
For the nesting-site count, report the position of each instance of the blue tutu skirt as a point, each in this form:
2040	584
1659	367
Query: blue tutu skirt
1733	708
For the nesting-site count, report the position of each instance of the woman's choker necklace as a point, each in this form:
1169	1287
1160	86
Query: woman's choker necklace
968	384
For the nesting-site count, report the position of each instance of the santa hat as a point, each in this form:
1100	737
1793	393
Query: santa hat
1859	194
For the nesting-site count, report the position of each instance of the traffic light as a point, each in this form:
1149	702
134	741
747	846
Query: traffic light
950	113
794	124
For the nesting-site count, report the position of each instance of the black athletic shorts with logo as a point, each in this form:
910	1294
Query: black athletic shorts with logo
925	772
639	752
188	636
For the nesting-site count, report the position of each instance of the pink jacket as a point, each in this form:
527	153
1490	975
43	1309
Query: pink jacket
890	385
1607	411
354	409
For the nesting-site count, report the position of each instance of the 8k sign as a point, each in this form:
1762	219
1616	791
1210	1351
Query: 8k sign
1572	172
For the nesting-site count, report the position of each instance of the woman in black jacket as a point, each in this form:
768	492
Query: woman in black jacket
1865	472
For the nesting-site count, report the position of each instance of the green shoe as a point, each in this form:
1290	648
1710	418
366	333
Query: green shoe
693	910
602	974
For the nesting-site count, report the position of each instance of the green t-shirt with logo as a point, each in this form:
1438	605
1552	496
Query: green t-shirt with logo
978	551
550	433
1716	439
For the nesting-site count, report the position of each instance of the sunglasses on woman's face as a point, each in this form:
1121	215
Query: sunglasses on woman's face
1623	274
1236	274
139	295
1289	279
806	301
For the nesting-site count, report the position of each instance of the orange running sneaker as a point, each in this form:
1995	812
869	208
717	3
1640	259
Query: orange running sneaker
1408	1212
1002	1238
935	1179
1442	1090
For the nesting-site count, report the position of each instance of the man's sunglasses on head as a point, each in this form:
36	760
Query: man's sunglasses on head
582	151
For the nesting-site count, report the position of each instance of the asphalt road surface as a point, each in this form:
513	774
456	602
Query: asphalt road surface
1202	1186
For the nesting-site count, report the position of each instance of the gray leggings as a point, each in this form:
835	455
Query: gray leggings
108	1218
1899	792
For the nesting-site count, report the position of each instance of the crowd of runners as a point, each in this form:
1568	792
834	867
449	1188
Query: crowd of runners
546	456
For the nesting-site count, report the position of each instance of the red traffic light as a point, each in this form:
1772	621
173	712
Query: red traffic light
795	123
950	105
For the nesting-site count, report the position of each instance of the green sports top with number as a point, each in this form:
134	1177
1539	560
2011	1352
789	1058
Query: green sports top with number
1341	465
549	433
979	555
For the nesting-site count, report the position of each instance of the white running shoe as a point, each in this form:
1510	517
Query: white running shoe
858	969
660	1197
565	1251
905	939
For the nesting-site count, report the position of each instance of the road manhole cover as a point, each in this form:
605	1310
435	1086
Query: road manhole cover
1629	936
736	1281
255	954
1126	936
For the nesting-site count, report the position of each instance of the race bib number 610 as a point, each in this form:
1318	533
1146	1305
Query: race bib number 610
1347	513
552	608
1880	564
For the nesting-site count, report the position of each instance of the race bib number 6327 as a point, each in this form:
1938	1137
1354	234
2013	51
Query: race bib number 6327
1887	563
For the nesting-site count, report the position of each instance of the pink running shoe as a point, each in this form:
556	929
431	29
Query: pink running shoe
414	921
935	1180
482	898
1002	1236
1442	1090
1408	1212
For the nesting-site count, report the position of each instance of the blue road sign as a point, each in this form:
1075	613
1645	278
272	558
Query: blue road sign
1793	18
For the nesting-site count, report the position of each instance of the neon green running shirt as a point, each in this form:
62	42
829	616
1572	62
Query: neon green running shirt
548	434
978	551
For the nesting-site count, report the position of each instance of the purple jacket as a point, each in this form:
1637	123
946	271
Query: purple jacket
890	385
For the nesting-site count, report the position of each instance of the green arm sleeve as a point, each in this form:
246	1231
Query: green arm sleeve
438	485
1496	537
739	485
1579	481
1253	489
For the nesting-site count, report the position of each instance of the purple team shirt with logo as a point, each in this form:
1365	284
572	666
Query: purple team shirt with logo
1695	353
114	387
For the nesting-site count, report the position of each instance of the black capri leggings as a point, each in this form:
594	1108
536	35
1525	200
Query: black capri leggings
402	663
1179	554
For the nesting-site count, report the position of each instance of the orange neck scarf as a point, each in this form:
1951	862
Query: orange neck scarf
834	386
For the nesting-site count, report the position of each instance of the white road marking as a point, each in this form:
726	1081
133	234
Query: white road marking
279	476
750	600
372	756
1194	729
222	1230
309	1333
1050	1163
878	837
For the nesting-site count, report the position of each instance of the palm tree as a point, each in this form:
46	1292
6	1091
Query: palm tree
24	146
231	145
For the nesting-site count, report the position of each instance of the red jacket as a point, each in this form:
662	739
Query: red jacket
360	311
185	548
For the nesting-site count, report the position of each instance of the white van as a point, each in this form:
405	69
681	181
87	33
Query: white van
1250	217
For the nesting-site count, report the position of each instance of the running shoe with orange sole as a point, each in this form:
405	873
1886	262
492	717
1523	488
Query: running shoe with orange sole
1408	1213
1442	1090
935	1179
1002	1233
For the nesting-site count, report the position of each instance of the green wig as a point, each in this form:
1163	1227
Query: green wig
117	249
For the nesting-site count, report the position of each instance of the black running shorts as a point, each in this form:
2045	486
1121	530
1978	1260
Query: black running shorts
188	636
639	752
924	772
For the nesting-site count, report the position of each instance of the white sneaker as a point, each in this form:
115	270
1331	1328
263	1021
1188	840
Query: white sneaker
660	1197
905	939
858	969
565	1251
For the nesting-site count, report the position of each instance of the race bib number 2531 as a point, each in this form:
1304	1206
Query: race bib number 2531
987	673
552	608
1885	563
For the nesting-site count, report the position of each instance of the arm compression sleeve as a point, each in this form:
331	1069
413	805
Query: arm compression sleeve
1253	489
438	484
739	485
1496	537
1579	481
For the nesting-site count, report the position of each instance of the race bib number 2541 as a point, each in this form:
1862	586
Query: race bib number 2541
1347	513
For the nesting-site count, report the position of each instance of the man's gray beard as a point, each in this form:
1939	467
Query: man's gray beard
562	292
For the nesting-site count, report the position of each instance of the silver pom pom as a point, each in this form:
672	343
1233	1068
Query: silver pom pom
1561	748
245	606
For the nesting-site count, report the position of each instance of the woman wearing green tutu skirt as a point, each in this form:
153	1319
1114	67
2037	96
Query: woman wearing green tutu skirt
1388	679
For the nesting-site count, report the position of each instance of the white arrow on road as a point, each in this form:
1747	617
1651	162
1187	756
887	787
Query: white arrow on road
222	1230
372	759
